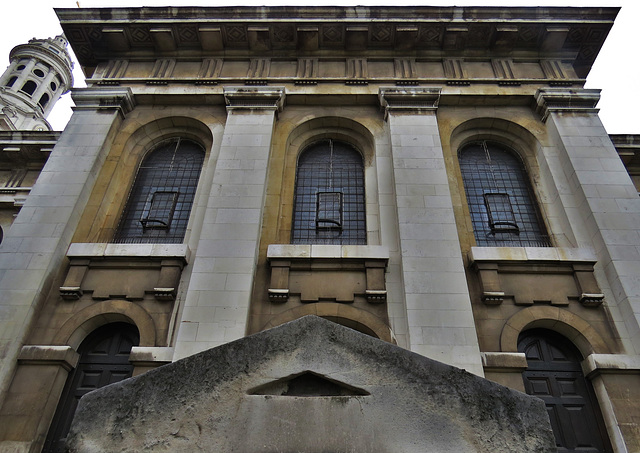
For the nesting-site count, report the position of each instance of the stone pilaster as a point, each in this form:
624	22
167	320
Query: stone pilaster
604	208
34	248
217	301
441	324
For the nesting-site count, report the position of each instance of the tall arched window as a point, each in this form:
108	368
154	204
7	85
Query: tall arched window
29	87
11	81
104	360
329	203
501	202
161	198
44	100
554	374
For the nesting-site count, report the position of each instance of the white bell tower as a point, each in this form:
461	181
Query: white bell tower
38	74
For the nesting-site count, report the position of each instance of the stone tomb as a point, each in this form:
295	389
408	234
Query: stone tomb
309	386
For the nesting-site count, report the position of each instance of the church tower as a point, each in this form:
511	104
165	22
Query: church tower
39	73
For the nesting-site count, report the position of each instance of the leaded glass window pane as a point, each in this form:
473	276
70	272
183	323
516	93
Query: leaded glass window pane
501	201
161	198
329	204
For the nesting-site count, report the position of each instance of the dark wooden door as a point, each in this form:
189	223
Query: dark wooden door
554	375
104	360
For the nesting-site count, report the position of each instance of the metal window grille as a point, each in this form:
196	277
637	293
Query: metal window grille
161	198
329	202
501	201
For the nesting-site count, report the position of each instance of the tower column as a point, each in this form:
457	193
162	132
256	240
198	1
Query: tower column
7	74
44	84
217	301
34	248
441	324
23	74
606	207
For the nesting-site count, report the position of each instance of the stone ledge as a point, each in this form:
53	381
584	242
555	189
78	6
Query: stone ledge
95	250
610	363
287	251
64	356
148	355
504	362
531	254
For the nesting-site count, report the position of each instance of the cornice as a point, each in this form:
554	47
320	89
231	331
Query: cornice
413	100
573	34
564	100
104	98
254	98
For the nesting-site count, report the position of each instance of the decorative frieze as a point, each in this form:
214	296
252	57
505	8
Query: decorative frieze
503	71
307	71
209	71
357	71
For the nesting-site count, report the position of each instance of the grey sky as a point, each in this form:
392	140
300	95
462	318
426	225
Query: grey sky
616	70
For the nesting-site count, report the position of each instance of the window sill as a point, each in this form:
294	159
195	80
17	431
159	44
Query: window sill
531	254
284	251
107	250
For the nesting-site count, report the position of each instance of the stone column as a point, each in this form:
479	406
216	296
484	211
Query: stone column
605	208
33	250
217	301
441	324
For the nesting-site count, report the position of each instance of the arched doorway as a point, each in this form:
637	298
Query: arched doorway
104	360
554	375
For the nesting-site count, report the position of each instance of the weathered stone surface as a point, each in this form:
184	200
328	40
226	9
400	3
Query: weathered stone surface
272	392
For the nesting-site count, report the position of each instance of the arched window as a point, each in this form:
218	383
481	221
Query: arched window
104	360
554	374
44	100
501	202
11	81
161	198
29	87
329	203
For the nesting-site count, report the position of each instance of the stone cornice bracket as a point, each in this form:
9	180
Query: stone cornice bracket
415	100
571	100
254	98
104	98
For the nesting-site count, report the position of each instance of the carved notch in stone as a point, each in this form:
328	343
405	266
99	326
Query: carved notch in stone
308	384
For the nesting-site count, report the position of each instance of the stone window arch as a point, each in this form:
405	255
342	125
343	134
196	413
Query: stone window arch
160	201
329	199
502	205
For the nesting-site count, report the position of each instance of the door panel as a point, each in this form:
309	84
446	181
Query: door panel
555	376
104	360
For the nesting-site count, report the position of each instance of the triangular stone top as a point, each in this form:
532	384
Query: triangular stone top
309	386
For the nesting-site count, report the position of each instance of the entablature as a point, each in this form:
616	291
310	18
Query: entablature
99	35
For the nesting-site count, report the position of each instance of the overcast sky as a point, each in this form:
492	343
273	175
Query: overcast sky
616	70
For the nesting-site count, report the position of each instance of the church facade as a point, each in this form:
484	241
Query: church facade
434	177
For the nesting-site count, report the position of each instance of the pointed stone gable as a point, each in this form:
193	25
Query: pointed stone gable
309	386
